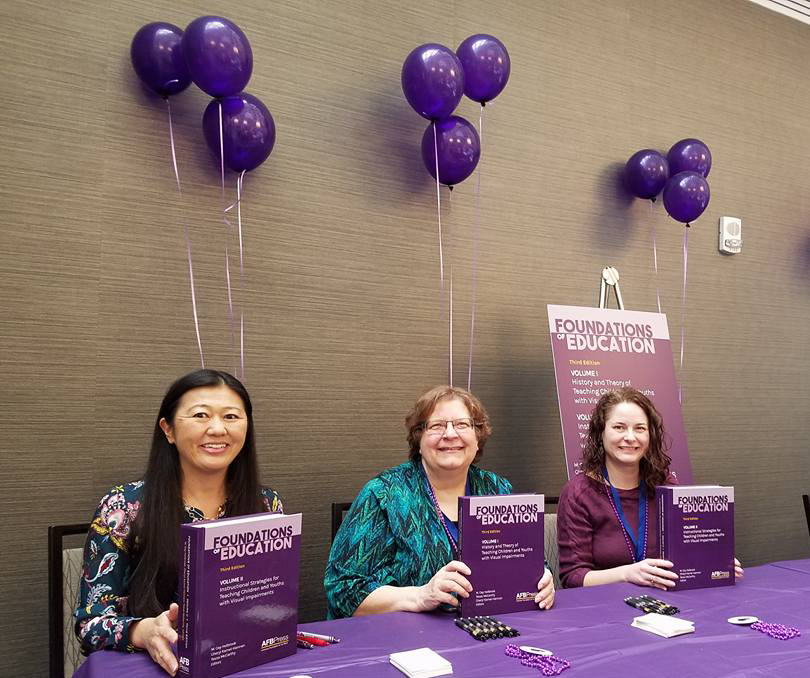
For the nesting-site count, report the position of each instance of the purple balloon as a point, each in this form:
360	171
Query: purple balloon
433	81
157	58
248	131
459	149
645	173
486	67
686	195
690	155
218	55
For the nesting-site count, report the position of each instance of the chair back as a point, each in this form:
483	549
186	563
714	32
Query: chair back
339	509
64	571
806	500
552	552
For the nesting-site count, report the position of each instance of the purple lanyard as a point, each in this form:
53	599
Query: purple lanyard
639	541
450	528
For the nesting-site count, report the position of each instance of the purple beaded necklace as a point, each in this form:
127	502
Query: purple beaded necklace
440	514
549	665
607	485
778	631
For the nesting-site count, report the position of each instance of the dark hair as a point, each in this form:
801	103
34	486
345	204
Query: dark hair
654	466
424	406
155	539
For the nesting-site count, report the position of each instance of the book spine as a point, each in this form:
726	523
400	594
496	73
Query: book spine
463	508
659	505
187	658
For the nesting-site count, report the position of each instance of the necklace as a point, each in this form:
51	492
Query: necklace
778	631
549	665
440	514
638	547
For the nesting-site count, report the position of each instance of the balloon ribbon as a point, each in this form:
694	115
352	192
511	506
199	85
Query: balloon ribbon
187	236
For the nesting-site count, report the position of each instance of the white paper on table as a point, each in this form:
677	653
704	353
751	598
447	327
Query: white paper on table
663	625
421	663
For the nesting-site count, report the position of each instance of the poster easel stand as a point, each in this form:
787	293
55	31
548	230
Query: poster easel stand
610	277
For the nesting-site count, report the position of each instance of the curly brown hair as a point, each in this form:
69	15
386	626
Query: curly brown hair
654	466
424	406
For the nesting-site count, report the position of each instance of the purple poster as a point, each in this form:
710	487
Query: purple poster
596	350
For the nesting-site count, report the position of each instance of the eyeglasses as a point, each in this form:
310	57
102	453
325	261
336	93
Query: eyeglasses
437	427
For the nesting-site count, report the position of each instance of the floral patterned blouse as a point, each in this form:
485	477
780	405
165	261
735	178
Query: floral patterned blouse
102	621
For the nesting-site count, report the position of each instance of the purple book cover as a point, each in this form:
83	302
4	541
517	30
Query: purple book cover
596	350
238	593
501	541
696	525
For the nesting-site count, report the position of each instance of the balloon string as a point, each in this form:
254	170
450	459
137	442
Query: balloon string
655	258
683	309
476	233
227	229
187	237
239	191
450	330
441	251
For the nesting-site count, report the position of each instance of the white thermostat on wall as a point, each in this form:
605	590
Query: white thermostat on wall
730	235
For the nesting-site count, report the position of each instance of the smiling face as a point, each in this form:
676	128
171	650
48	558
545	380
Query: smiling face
450	451
626	437
208	430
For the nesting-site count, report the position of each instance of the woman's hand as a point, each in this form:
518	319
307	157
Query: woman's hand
739	573
651	572
545	597
447	581
156	635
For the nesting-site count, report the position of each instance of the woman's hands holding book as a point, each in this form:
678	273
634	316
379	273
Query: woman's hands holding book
156	635
440	589
545	588
651	572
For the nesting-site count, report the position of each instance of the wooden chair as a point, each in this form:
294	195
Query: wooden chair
64	571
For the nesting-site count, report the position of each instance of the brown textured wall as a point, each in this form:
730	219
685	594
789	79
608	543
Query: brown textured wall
341	300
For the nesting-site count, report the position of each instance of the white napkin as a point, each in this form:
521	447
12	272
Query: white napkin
663	625
421	663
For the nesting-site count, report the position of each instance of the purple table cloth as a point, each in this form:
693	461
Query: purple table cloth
589	627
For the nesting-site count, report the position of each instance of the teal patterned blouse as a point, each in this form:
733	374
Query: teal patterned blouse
392	536
102	618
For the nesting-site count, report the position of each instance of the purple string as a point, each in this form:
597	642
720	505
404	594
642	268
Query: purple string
187	236
238	204
476	233
655	259
227	229
683	309
441	251
450	331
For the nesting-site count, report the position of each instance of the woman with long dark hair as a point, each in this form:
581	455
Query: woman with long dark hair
607	527
202	465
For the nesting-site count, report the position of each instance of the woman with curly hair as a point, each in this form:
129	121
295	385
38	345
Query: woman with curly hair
397	548
607	526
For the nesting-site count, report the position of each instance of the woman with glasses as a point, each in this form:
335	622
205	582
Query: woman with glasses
202	465
397	547
607	527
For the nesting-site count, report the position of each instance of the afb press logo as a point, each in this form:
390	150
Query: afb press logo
720	574
276	641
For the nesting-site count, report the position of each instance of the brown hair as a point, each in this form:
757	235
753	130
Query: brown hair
424	406
654	466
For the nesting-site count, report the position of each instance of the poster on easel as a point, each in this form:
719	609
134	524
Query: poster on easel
597	350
